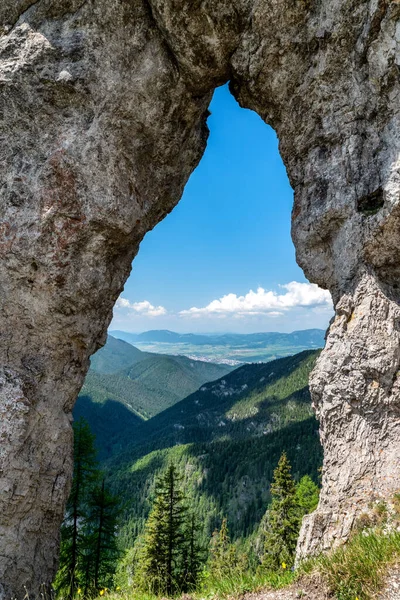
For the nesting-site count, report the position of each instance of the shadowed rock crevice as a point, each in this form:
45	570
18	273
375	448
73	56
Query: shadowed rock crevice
104	106
371	203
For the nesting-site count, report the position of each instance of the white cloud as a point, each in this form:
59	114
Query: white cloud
291	301
264	302
144	308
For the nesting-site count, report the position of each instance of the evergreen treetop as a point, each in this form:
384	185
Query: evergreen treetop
88	534
283	519
307	495
161	563
86	472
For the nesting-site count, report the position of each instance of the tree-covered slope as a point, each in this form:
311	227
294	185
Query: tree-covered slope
254	399
115	356
227	437
128	386
173	376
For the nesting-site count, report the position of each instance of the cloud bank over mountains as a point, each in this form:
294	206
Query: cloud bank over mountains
264	302
292	302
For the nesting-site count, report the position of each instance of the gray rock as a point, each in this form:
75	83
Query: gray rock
104	108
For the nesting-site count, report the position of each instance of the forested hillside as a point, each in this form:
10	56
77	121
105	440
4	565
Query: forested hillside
115	356
126	386
227	438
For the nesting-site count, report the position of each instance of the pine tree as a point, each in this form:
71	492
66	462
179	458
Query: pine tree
98	561
85	474
223	556
282	519
86	566
160	566
192	554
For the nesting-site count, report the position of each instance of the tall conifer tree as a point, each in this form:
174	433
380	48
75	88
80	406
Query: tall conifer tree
192	553
98	561
223	555
161	563
85	474
283	519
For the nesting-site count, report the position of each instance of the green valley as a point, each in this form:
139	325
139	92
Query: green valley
125	386
226	437
229	348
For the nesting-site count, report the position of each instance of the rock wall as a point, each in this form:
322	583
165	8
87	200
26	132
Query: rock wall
104	108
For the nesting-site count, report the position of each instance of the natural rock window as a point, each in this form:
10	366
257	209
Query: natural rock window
98	161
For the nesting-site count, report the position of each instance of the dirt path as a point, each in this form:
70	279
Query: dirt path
308	588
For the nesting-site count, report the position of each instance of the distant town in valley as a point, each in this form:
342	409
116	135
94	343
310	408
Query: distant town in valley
230	348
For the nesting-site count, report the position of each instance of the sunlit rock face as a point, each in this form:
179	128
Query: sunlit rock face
104	108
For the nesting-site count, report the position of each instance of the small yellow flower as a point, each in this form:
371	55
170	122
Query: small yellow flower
117	588
284	565
79	591
102	592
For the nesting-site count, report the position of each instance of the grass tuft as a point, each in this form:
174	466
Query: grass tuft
358	569
236	584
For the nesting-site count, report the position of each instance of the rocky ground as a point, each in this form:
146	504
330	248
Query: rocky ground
309	588
392	586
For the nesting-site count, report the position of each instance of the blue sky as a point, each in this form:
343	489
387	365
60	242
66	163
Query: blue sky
200	268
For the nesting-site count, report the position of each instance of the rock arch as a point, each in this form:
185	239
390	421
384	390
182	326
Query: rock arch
104	108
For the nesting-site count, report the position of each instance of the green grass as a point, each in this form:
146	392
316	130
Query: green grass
237	584
123	595
232	586
354	571
358	569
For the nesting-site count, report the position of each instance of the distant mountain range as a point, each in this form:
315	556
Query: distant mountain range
230	348
311	338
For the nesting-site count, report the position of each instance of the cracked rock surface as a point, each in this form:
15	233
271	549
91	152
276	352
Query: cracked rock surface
103	110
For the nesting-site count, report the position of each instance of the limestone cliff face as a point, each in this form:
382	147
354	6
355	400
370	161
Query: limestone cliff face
103	118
